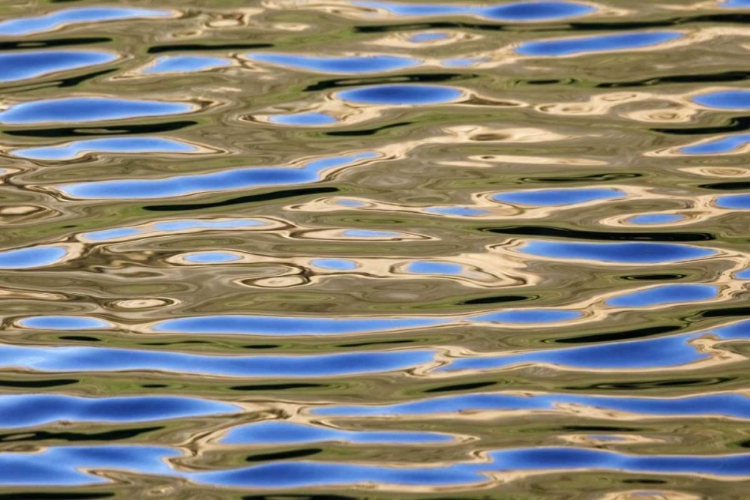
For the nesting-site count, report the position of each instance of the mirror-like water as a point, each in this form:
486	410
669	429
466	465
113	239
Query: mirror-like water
363	249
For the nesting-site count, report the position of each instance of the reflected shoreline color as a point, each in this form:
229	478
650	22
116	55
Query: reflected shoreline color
374	249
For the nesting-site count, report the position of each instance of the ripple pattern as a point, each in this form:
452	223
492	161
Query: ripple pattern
363	249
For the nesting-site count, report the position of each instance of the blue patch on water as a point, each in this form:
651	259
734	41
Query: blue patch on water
110	234
31	257
427	37
730	405
109	145
277	433
202	183
557	197
666	294
594	44
351	203
38	63
297	474
727	99
619	253
518	11
303	119
535	11
87	109
64	323
65	465
337	264
462	62
212	257
614	356
655	218
272	325
405	9
406	95
29	410
528	316
736	4
428	267
185	225
28	25
185	64
97	359
723	145
743	275
176	225
736	331
460	211
344	65
364	233
734	201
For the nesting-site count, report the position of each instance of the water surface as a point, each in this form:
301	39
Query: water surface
365	249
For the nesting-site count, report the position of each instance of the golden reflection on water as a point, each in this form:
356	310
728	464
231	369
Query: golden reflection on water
465	250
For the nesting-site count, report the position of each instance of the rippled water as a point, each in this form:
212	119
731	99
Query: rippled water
339	249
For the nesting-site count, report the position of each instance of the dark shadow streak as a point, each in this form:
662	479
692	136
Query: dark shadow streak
38	384
284	455
727	186
253	198
626	335
653	384
62	132
46	44
460	387
597	236
739	124
382	80
117	435
73	81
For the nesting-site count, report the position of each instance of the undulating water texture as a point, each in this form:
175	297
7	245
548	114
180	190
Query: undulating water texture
374	249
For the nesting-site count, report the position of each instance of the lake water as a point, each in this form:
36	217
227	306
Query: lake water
362	249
